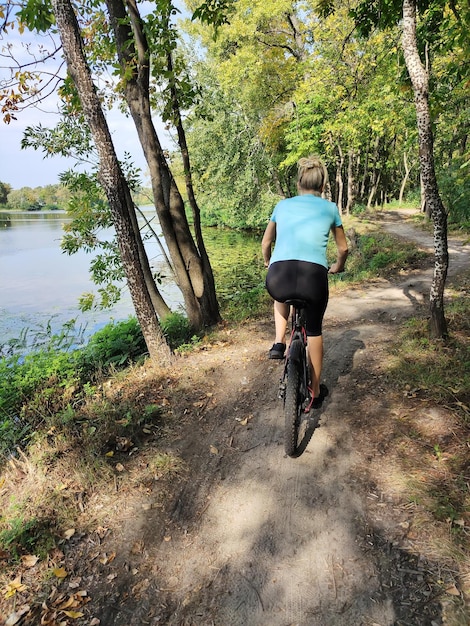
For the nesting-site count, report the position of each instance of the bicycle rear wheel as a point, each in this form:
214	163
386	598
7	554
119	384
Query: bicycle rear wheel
293	401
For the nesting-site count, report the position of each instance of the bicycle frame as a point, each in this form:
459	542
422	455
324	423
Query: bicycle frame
297	349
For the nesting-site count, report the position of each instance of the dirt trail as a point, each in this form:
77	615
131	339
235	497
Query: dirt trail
258	539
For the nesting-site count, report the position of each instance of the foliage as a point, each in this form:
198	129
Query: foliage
38	387
422	364
31	390
176	329
115	345
4	191
29	536
373	254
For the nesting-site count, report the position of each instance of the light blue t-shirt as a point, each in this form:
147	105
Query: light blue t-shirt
302	228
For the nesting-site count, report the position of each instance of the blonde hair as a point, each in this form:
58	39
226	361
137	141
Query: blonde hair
311	173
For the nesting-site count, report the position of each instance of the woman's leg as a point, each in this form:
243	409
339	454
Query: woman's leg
315	354
281	315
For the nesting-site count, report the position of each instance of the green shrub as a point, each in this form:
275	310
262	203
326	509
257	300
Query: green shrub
176	329
115	345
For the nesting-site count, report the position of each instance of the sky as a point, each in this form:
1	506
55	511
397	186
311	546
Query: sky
27	167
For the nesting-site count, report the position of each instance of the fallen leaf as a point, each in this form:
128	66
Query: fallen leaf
69	533
110	453
107	558
123	444
138	547
75	583
214	450
453	591
71	602
119	467
74	614
16	616
29	560
13	587
95	622
60	572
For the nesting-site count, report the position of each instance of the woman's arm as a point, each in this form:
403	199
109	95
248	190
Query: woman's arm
266	243
342	249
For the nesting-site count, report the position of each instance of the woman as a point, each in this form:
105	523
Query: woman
298	268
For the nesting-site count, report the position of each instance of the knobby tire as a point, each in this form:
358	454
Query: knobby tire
292	407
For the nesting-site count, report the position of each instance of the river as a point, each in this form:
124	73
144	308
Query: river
40	285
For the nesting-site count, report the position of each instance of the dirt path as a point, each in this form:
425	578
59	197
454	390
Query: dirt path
258	539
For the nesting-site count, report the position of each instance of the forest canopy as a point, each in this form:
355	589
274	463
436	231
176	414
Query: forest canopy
261	84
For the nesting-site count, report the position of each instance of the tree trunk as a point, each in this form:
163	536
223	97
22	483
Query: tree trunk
405	178
375	178
209	305
339	180
192	275
111	178
419	80
351	183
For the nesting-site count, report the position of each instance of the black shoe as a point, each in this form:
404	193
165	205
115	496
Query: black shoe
277	351
316	404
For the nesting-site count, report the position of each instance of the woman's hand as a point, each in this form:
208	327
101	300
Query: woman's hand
336	268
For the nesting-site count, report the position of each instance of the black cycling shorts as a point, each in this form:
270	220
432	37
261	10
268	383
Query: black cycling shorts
290	280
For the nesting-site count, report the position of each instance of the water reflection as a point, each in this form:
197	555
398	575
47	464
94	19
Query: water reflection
40	284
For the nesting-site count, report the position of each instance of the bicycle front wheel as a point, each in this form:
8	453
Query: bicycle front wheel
293	401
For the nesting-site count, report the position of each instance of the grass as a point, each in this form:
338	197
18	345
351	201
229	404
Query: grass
433	437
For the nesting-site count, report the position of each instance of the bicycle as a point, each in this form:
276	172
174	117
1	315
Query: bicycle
294	384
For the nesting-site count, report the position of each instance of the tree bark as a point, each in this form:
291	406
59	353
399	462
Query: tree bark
111	178
419	80
339	179
192	274
351	183
405	177
210	302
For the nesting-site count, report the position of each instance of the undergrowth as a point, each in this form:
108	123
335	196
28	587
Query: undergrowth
437	374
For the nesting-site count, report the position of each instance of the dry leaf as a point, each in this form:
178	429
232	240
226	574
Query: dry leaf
69	533
107	558
95	622
110	453
29	560
13	587
70	603
214	450
453	591
123	444
119	467
74	614
16	616
60	572
75	583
